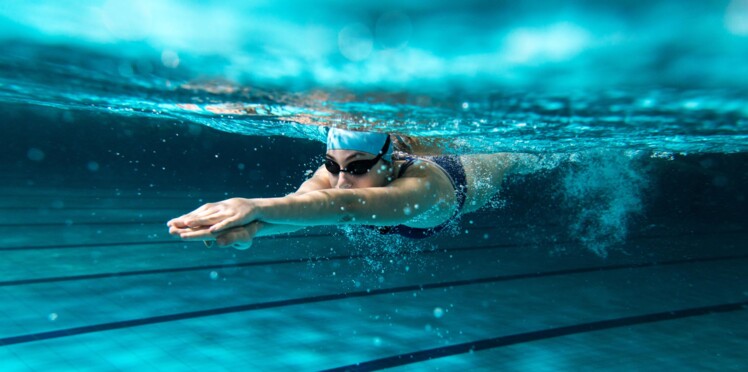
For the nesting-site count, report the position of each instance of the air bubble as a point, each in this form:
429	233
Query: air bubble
438	312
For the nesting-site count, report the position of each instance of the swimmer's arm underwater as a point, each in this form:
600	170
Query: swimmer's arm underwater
419	201
379	206
245	233
401	202
260	228
423	198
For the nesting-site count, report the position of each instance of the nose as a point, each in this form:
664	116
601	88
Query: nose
344	181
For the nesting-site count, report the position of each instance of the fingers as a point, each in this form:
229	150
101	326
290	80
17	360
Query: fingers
186	223
201	234
207	220
173	230
179	222
189	218
221	216
236	237
191	233
179	231
225	224
216	224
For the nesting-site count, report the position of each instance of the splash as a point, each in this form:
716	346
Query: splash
387	253
604	190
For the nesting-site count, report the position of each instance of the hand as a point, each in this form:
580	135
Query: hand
237	237
213	218
190	233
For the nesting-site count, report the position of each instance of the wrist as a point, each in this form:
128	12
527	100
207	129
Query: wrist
259	208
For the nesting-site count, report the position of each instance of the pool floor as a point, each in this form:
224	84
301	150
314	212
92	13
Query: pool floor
92	281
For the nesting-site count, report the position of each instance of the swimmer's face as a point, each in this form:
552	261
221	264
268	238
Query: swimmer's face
379	175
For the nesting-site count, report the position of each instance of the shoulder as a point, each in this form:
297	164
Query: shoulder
425	170
413	167
429	187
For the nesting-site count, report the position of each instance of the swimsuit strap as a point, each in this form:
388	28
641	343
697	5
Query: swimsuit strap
409	160
453	168
455	171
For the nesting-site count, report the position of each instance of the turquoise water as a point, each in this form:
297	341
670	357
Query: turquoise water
622	246
664	77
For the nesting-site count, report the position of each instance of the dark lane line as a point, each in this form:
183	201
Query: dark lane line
226	266
108	197
30	208
163	223
497	342
88	245
166	217
333	297
175	241
171	270
271	262
75	224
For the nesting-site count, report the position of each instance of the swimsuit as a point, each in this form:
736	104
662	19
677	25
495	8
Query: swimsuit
452	167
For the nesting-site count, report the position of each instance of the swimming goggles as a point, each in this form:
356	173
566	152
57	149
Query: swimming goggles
358	167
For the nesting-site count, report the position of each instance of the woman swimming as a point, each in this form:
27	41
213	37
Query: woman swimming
361	182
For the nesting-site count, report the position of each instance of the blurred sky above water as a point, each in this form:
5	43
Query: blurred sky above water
409	45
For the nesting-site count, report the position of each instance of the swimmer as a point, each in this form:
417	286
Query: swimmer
364	182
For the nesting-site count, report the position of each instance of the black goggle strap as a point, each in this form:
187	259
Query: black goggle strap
382	151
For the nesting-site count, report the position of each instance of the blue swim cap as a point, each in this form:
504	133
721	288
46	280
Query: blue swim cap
368	142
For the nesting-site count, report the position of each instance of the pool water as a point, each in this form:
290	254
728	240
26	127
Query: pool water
622	247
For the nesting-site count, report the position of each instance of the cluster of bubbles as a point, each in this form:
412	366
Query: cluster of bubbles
386	252
603	190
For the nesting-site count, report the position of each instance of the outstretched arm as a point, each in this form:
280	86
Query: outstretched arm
318	181
423	199
401	202
243	235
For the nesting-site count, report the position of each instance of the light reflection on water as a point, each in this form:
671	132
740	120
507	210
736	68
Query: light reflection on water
500	76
